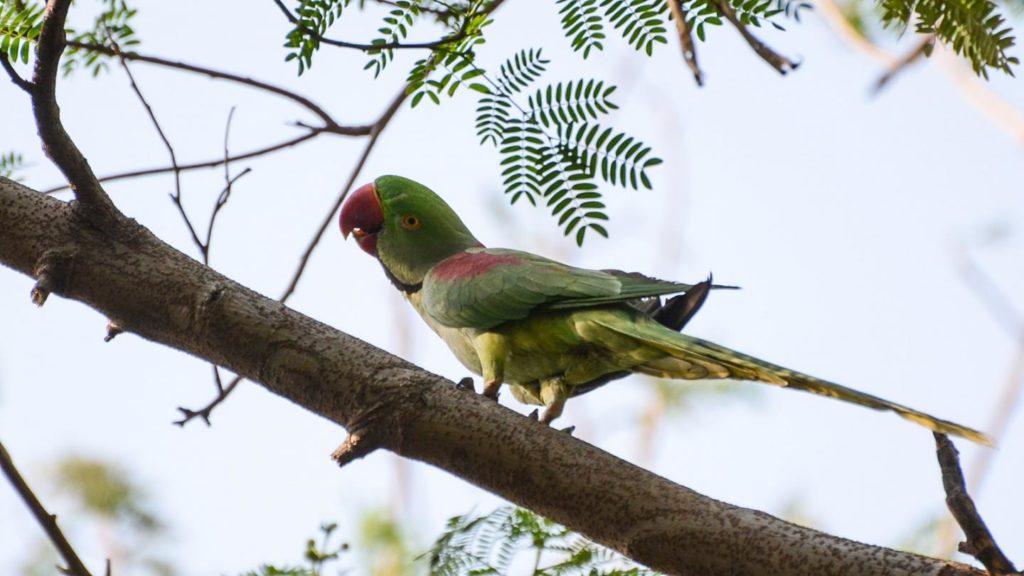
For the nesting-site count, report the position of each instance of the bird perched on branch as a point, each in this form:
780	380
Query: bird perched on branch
546	329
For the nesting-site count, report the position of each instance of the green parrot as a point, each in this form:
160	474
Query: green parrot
546	329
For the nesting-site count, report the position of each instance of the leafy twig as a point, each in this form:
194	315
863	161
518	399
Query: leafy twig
686	40
459	35
781	64
46	520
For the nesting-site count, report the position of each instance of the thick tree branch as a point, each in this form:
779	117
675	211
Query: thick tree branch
152	290
57	145
46	520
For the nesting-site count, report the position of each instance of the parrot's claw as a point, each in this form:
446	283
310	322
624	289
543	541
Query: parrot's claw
533	415
464	384
569	430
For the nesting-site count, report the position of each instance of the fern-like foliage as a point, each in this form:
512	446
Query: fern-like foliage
974	29
394	29
488	544
701	14
642	23
112	25
10	164
19	28
313	18
455	57
582	24
554	150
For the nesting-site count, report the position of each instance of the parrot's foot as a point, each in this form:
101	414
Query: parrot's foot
465	384
491	388
553	411
532	415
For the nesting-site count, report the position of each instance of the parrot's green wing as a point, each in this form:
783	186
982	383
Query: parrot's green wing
483	287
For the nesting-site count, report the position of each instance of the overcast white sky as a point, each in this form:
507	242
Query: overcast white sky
838	213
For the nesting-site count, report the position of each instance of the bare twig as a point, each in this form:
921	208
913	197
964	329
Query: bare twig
375	132
222	199
222	393
330	125
920	49
1002	311
995	300
13	74
57	144
686	40
176	196
980	543
781	64
1003	115
378	127
205	164
225	193
46	520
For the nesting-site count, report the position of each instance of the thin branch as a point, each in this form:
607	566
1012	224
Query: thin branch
686	40
46	520
456	37
922	48
1003	311
977	93
13	74
781	64
176	196
375	132
225	193
999	306
57	144
204	412
205	164
980	543
330	125
378	127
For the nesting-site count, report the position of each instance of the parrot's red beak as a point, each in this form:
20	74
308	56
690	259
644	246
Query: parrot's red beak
362	217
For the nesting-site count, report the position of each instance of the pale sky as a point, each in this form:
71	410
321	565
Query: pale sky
840	214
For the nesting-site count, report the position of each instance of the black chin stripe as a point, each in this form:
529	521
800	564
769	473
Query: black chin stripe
407	288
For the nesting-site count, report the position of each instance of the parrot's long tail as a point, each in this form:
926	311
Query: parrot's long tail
695	359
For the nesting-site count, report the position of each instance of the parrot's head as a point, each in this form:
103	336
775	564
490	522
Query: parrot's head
405	225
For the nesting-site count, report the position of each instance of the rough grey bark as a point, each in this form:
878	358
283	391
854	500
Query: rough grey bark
149	288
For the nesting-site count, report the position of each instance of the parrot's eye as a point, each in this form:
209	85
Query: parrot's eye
410	222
